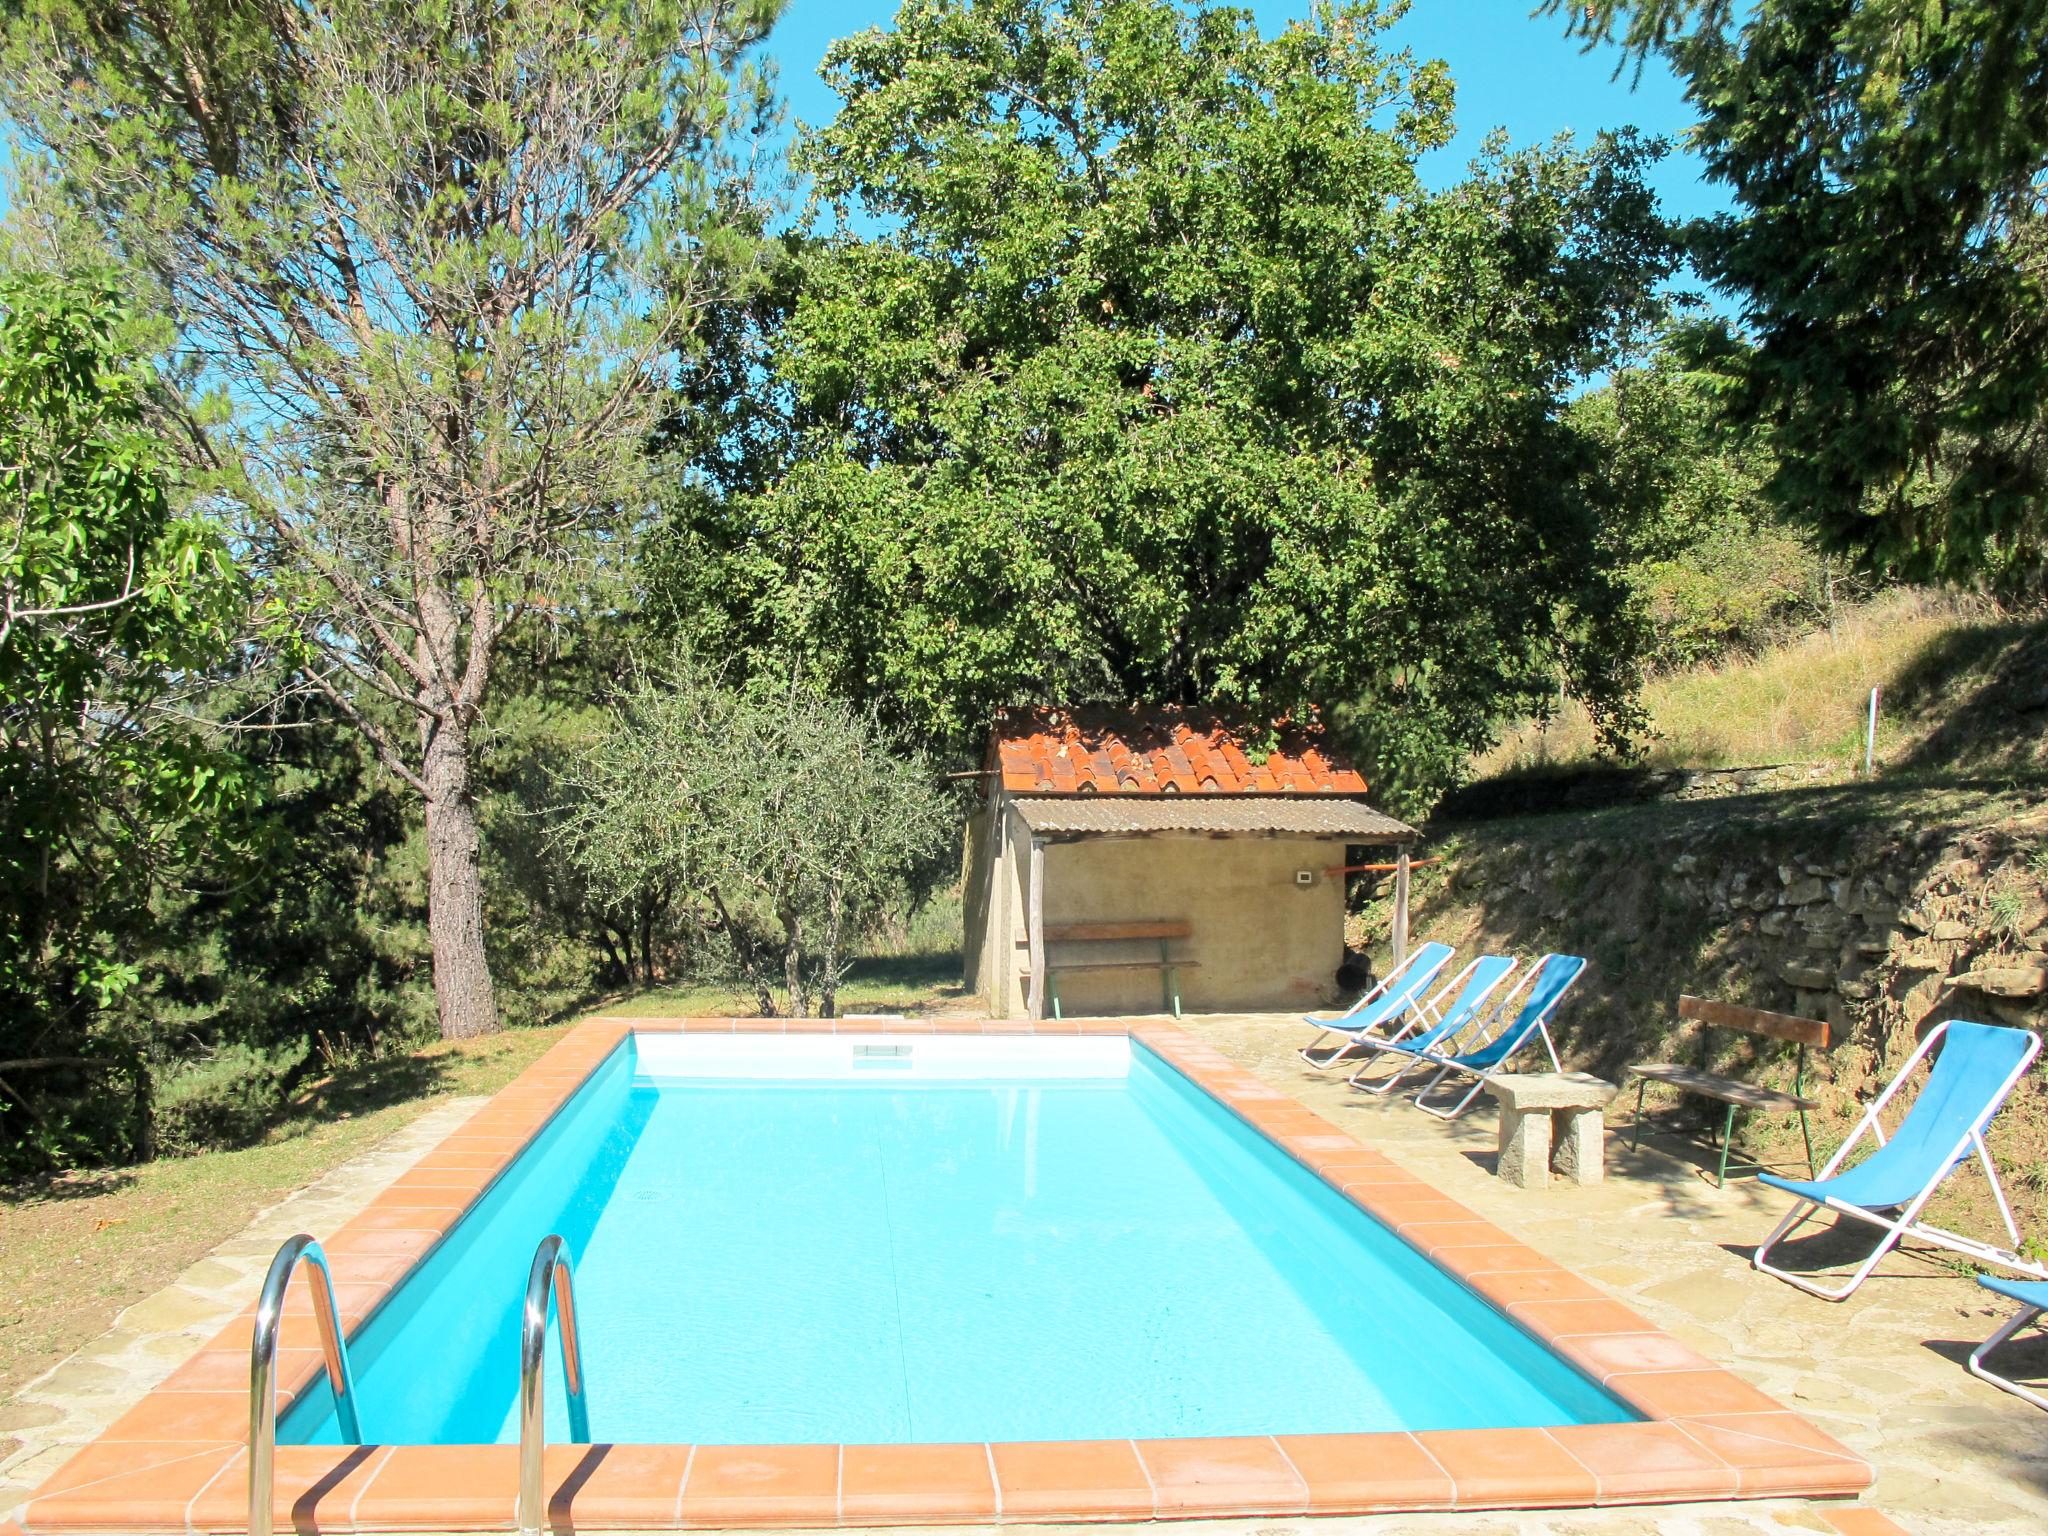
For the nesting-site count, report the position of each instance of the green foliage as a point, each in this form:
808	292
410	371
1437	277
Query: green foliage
428	265
775	807
118	608
1166	378
228	1099
1720	568
1887	248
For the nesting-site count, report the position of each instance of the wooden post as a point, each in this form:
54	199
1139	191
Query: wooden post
1034	918
1401	906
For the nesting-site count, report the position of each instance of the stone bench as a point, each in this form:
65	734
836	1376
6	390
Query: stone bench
1551	1122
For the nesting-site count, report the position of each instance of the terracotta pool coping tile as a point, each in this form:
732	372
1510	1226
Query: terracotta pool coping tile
614	1487
1367	1473
440	1487
1235	1475
1709	1432
1509	1258
1656	1462
1439	1238
1097	1479
761	1485
315	1489
139	1486
1563	1319
1515	1468
169	1414
396	1242
1691	1394
1605	1356
1777	1458
1505	1288
227	1370
916	1484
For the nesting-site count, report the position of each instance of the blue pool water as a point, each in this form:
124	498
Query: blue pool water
778	1241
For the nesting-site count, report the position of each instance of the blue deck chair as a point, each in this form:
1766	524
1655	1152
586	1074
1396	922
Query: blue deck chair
2032	1295
1385	1010
1473	989
1541	992
1977	1067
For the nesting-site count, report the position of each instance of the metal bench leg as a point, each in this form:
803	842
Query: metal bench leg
1727	1141
1805	1130
1635	1126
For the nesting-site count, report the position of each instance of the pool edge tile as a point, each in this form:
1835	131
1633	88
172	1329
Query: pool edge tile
1075	1479
1221	1476
919	1484
761	1485
1367	1474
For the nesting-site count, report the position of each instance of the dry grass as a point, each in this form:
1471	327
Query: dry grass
1804	702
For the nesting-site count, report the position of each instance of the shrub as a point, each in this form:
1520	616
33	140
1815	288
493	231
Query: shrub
224	1100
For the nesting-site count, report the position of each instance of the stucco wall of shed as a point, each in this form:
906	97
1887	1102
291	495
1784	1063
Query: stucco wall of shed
1261	941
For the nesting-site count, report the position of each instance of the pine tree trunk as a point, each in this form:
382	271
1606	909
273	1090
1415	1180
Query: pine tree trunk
455	886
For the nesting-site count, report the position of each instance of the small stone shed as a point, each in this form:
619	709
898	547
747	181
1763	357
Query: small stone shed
1137	860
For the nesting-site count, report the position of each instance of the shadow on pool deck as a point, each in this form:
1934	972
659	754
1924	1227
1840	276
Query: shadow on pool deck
1952	1452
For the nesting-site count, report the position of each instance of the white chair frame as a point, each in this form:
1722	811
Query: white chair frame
1907	1222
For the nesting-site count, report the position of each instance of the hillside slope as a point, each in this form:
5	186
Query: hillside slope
1882	905
1964	689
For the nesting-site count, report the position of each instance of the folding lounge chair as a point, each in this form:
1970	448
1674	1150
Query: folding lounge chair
1473	988
2032	1295
1387	1005
1541	993
1978	1067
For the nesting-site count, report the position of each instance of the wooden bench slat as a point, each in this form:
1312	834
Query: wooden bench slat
1062	966
1754	1021
1089	933
1727	1089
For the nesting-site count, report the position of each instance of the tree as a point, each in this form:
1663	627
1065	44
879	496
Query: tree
1129	357
1888	247
429	264
772	806
115	608
1719	565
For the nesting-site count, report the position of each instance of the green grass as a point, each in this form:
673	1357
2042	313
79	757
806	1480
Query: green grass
75	1249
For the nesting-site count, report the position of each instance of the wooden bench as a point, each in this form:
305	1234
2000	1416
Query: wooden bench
1735	1093
1127	934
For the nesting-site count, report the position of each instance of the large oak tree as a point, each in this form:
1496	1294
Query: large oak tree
1130	356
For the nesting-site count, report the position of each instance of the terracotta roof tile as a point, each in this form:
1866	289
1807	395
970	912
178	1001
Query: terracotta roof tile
1150	751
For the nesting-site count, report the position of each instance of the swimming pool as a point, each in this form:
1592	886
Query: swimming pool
834	1238
175	1464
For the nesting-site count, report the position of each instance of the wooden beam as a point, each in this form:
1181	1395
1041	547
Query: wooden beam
1034	917
1401	907
1754	1021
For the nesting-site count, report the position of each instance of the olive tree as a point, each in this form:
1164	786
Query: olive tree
775	807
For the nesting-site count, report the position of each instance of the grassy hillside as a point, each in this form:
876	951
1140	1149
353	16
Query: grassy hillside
1965	690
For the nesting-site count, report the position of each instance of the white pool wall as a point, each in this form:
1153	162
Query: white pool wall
895	1057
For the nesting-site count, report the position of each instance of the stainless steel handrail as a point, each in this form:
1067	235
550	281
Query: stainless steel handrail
547	1280
263	1370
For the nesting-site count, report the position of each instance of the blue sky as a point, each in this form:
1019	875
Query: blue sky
1513	71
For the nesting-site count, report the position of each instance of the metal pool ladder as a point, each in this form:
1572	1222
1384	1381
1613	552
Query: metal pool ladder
549	1279
263	1370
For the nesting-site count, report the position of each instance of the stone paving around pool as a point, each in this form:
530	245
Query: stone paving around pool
64	1408
1880	1372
